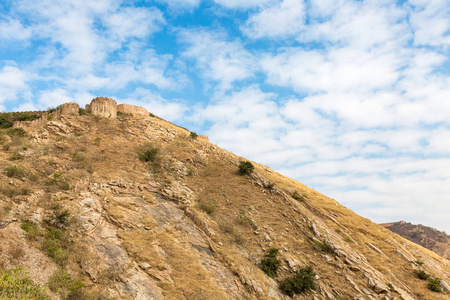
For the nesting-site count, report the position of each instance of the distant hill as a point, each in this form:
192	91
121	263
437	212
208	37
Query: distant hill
427	237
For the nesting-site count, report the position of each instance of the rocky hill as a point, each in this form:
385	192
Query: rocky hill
115	203
427	237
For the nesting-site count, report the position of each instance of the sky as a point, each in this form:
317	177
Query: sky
351	98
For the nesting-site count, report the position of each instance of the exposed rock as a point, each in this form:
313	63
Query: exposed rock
377	286
445	286
145	266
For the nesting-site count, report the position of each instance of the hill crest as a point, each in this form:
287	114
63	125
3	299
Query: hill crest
184	224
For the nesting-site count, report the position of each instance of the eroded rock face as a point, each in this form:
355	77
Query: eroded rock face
132	110
104	107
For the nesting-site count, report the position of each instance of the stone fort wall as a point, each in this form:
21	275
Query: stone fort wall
103	107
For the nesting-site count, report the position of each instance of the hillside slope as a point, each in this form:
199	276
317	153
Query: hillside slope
79	208
425	236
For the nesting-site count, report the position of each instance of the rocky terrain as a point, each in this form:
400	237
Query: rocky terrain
96	206
427	237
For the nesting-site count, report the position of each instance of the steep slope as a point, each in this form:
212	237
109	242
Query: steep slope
425	236
78	203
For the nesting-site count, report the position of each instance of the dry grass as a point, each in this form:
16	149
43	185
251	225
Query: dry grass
163	252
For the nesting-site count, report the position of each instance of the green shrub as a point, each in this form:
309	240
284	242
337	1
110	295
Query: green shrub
151	115
20	132
15	171
60	216
270	263
82	112
147	152
246	168
208	206
419	262
31	230
434	284
5	121
302	281
297	196
193	135
58	254
422	275
62	284
14	284
55	245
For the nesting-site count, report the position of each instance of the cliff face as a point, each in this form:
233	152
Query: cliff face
136	209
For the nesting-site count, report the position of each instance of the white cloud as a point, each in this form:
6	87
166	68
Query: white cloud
243	4
218	58
132	22
170	110
279	20
52	98
430	21
176	5
13	81
12	29
85	33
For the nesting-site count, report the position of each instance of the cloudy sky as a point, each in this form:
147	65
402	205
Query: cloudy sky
349	97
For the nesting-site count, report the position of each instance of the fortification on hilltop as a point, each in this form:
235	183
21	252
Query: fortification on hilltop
132	110
104	107
100	106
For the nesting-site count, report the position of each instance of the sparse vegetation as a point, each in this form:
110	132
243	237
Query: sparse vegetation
82	112
208	206
59	181
30	229
246	168
193	135
434	284
62	284
229	228
15	284
55	245
270	263
323	246
15	171
422	275
18	132
7	119
300	197
147	152
302	281
60	216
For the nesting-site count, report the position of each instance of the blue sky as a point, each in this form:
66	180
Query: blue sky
351	98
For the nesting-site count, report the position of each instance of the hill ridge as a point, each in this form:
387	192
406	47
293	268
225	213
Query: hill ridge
185	224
